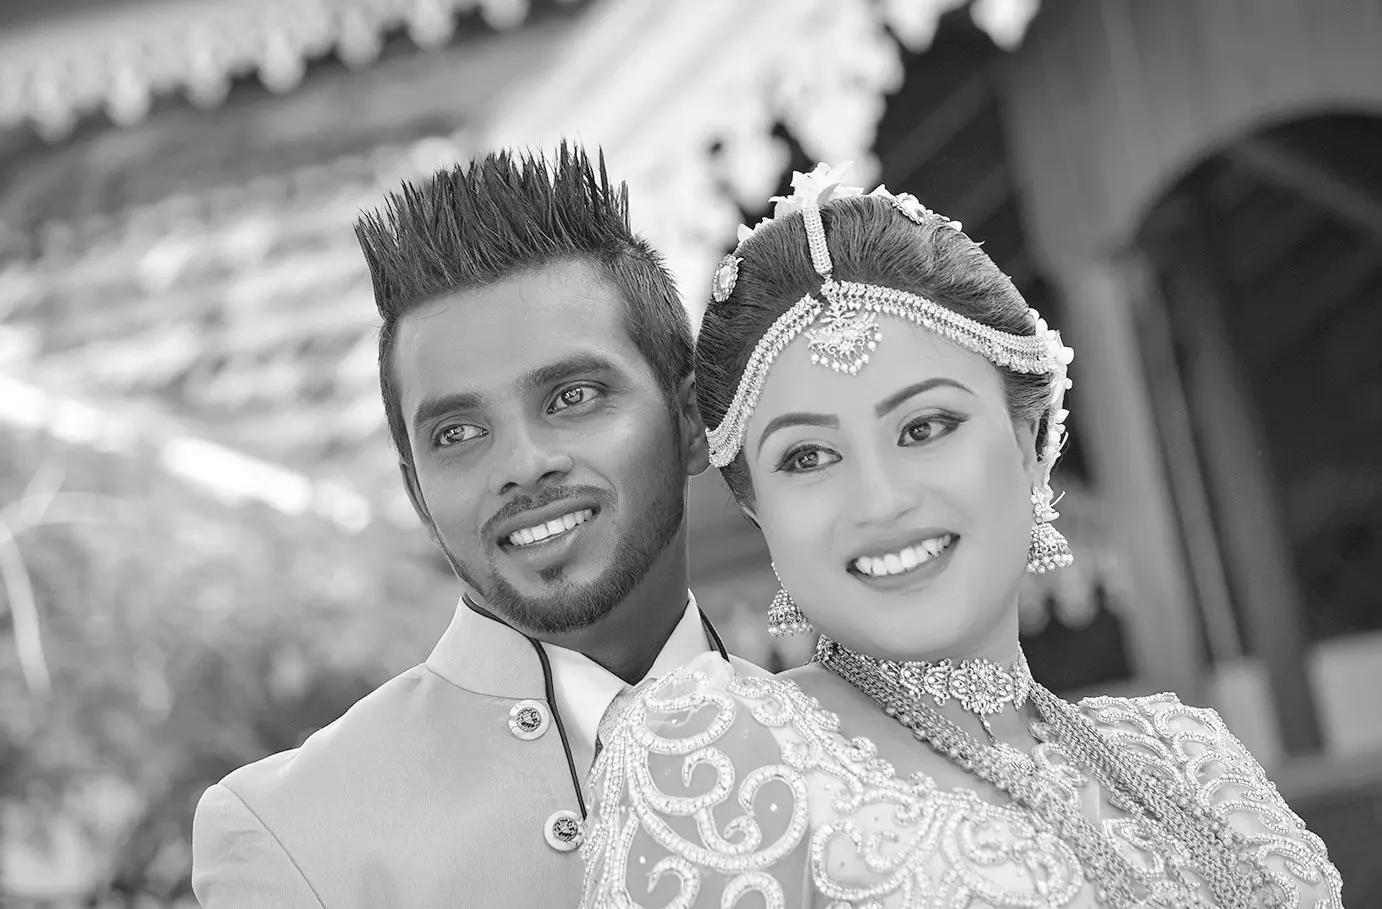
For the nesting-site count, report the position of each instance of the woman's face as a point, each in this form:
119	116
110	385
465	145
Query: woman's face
896	502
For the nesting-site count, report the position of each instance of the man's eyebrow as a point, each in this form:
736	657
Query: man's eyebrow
796	418
430	409
570	368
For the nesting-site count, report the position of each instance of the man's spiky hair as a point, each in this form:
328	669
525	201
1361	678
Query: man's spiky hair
508	213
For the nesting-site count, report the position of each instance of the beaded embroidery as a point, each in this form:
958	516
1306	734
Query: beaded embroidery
824	809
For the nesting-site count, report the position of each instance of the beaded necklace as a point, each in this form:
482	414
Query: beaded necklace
1187	832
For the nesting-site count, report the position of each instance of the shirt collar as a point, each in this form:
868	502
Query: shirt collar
486	656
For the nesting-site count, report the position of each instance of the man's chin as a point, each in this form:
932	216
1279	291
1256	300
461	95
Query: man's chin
557	608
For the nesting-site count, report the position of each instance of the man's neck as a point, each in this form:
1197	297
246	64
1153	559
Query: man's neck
629	638
628	649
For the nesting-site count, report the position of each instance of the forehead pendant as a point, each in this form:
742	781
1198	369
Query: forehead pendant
845	334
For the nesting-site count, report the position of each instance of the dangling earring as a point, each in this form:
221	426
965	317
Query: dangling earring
1049	549
784	618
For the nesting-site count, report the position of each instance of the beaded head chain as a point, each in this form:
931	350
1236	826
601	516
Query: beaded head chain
842	329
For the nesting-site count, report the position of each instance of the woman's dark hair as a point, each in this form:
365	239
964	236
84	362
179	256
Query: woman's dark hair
873	243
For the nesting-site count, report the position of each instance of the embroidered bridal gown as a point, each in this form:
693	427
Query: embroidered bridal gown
715	788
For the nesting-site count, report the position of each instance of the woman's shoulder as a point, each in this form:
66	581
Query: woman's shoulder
1163	725
1162	716
1195	745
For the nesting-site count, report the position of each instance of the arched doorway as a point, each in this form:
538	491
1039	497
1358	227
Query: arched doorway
1262	353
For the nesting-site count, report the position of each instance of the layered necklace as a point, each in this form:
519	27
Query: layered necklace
1186	830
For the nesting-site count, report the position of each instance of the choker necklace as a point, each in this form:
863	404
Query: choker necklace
982	687
1222	856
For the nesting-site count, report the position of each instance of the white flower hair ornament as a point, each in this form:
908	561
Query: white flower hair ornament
842	328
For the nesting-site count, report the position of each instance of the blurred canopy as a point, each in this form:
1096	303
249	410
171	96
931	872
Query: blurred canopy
172	608
180	638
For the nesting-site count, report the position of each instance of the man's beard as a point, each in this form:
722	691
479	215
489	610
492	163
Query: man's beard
572	607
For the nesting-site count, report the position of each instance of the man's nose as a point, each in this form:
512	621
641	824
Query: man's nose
531	460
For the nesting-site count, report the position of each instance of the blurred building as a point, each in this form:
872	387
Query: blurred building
1189	190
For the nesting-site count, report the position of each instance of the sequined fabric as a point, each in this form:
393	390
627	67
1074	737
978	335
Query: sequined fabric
713	787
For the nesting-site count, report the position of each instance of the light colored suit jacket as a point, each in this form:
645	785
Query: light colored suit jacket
422	795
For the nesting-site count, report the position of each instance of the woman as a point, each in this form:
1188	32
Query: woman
887	410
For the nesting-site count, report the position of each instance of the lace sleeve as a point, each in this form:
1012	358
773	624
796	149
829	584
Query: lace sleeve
1228	778
692	805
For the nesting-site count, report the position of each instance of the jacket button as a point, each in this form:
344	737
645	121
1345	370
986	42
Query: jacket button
564	830
529	719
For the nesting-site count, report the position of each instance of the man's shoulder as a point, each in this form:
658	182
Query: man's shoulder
364	748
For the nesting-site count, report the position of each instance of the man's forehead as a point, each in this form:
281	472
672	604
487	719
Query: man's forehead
498	356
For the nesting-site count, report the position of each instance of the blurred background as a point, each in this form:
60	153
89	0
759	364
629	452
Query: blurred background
205	551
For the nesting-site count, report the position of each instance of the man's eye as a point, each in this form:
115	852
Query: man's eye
458	433
572	397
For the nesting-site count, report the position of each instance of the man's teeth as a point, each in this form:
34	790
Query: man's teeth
536	534
903	560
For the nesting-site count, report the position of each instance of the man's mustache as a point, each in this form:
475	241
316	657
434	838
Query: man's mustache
524	503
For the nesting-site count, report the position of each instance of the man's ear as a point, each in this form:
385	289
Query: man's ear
410	483
695	448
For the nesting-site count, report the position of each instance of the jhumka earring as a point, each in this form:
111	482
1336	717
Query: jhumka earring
1049	549
784	618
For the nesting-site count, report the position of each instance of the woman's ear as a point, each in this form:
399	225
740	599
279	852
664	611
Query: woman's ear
1026	432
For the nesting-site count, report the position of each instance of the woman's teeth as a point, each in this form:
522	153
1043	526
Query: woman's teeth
530	535
880	566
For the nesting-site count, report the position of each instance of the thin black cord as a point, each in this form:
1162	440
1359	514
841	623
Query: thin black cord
714	636
551	695
556	718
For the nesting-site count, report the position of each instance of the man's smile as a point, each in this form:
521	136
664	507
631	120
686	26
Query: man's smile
528	536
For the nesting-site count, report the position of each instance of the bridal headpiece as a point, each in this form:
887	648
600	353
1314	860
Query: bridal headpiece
841	322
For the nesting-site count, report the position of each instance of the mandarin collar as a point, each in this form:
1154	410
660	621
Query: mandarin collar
484	655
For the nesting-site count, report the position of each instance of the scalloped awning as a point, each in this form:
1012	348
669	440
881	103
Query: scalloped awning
684	97
120	57
656	84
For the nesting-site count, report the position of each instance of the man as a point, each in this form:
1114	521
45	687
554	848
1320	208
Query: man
535	362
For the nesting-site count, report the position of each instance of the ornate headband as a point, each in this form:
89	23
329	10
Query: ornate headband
843	329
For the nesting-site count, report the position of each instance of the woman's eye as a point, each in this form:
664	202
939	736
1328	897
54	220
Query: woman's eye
572	397
928	429
805	459
458	433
